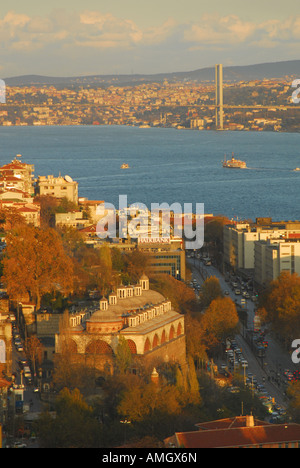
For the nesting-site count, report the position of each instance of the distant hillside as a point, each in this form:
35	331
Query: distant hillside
233	73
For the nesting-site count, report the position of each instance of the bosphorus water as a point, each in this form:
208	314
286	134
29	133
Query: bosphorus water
168	165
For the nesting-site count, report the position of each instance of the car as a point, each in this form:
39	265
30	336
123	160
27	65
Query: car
23	362
237	292
234	389
19	445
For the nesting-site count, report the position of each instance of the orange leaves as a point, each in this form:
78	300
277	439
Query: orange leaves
282	305
35	262
218	321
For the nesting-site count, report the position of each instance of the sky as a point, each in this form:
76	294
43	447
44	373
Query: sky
75	38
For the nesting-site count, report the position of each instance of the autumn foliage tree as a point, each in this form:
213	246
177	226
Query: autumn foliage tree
210	290
182	297
10	218
280	306
35	263
218	321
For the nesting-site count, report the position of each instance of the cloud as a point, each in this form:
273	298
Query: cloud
214	30
74	39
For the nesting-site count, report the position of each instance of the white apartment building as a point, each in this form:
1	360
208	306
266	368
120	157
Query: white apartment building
274	256
262	247
58	187
239	241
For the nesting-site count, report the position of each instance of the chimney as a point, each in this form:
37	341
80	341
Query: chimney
249	421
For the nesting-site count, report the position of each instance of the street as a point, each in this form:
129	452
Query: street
269	371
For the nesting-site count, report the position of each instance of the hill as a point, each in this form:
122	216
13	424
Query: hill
233	73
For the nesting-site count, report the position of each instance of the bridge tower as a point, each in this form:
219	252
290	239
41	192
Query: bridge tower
219	96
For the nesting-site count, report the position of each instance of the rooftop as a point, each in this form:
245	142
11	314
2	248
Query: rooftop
234	432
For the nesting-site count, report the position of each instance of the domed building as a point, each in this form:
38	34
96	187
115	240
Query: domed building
154	331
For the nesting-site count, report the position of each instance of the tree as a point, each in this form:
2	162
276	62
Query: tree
210	290
293	392
182	297
219	320
123	355
194	389
34	350
35	263
146	400
74	425
136	263
195	343
280	306
10	218
187	385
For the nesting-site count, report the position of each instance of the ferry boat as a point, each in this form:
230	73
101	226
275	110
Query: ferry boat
125	166
234	163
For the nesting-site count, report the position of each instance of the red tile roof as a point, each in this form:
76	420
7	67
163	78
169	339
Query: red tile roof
239	437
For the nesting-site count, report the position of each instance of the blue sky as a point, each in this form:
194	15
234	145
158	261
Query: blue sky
67	38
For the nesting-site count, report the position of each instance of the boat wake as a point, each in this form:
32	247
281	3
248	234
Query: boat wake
271	169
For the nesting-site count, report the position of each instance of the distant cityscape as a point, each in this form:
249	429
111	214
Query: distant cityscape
254	105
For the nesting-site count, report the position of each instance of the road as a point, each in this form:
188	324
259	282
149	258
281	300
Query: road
268	371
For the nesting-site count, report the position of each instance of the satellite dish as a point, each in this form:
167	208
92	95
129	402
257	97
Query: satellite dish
68	178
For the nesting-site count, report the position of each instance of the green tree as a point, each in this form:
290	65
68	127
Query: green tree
123	355
74	425
193	384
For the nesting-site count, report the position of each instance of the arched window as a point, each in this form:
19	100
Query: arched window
155	341
163	337
69	346
147	346
98	347
172	333
179	329
132	346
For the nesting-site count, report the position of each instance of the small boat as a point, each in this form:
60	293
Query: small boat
234	163
125	166
297	169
